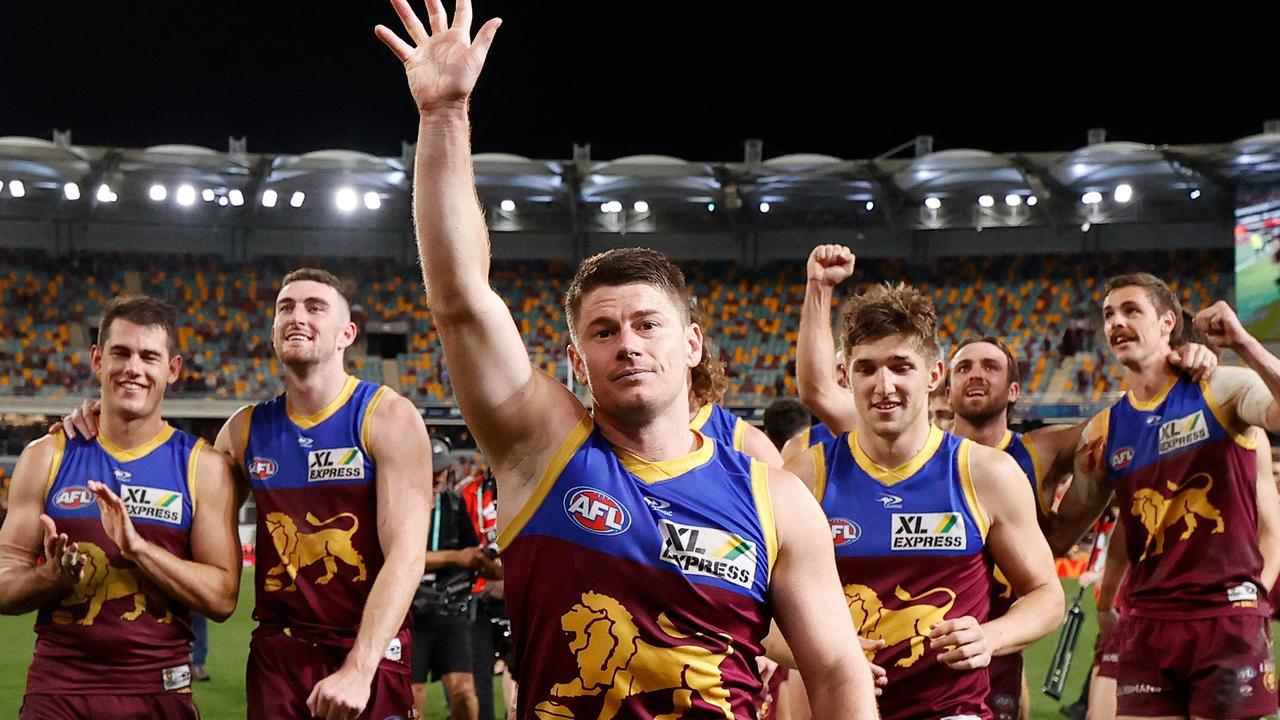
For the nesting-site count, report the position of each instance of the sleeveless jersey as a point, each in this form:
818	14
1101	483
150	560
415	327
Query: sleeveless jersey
909	549
720	425
115	634
318	548
1186	483
1018	447
635	587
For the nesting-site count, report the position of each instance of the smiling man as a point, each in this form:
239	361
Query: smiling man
136	529
914	511
1175	454
643	559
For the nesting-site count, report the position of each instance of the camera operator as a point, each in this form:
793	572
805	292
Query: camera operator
443	607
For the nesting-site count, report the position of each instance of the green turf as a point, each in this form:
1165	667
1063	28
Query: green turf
223	698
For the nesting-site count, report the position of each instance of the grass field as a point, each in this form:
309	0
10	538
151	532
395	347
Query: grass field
223	698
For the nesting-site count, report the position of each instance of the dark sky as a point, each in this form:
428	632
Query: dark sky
692	79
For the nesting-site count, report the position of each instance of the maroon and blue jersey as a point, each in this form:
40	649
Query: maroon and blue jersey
637	587
318	548
1018	447
115	633
1185	479
909	549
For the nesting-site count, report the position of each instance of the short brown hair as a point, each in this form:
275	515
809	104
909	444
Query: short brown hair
886	310
1158	293
1011	370
708	382
141	310
625	266
324	277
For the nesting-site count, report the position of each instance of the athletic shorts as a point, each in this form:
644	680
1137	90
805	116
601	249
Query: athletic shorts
441	645
1218	667
170	705
1006	686
1107	654
283	671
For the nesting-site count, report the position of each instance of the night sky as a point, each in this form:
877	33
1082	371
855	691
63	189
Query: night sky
688	79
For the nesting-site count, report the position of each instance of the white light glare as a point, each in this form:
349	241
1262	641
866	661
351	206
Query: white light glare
186	196
1093	197
345	199
106	195
17	189
372	200
1195	194
613	206
208	195
932	203
297	199
987	201
1032	200
871	205
71	191
711	207
270	198
237	197
1123	193
640	206
764	207
157	193
508	205
1012	200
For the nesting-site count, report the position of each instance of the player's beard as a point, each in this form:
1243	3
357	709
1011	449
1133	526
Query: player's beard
981	415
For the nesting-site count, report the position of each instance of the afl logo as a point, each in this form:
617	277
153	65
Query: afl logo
1121	458
74	498
844	532
262	468
596	511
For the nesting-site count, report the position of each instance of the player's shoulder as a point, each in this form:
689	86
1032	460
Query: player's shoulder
43	448
391	405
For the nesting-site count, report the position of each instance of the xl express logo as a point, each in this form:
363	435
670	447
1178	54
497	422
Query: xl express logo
1185	431
149	503
335	464
596	511
710	552
928	531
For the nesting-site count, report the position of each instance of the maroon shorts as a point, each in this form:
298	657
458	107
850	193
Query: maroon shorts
177	705
283	671
1107	654
1211	668
1006	686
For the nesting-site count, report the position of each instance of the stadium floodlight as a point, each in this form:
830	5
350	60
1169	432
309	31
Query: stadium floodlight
222	201
508	205
1093	197
1085	226
106	195
1032	200
871	205
186	196
1195	194
1123	193
345	199
269	198
711	207
640	206
208	195
932	203
1013	200
765	207
613	206
372	200
157	193
71	191
987	201
236	197
297	199
17	189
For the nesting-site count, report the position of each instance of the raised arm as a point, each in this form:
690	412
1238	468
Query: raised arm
828	266
497	387
1254	403
1088	493
401	452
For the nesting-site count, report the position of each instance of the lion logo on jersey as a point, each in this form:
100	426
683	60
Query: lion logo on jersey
300	549
1159	513
910	623
612	659
101	582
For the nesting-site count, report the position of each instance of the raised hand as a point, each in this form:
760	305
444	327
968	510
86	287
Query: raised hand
1220	324
442	65
1196	360
830	264
62	559
116	521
